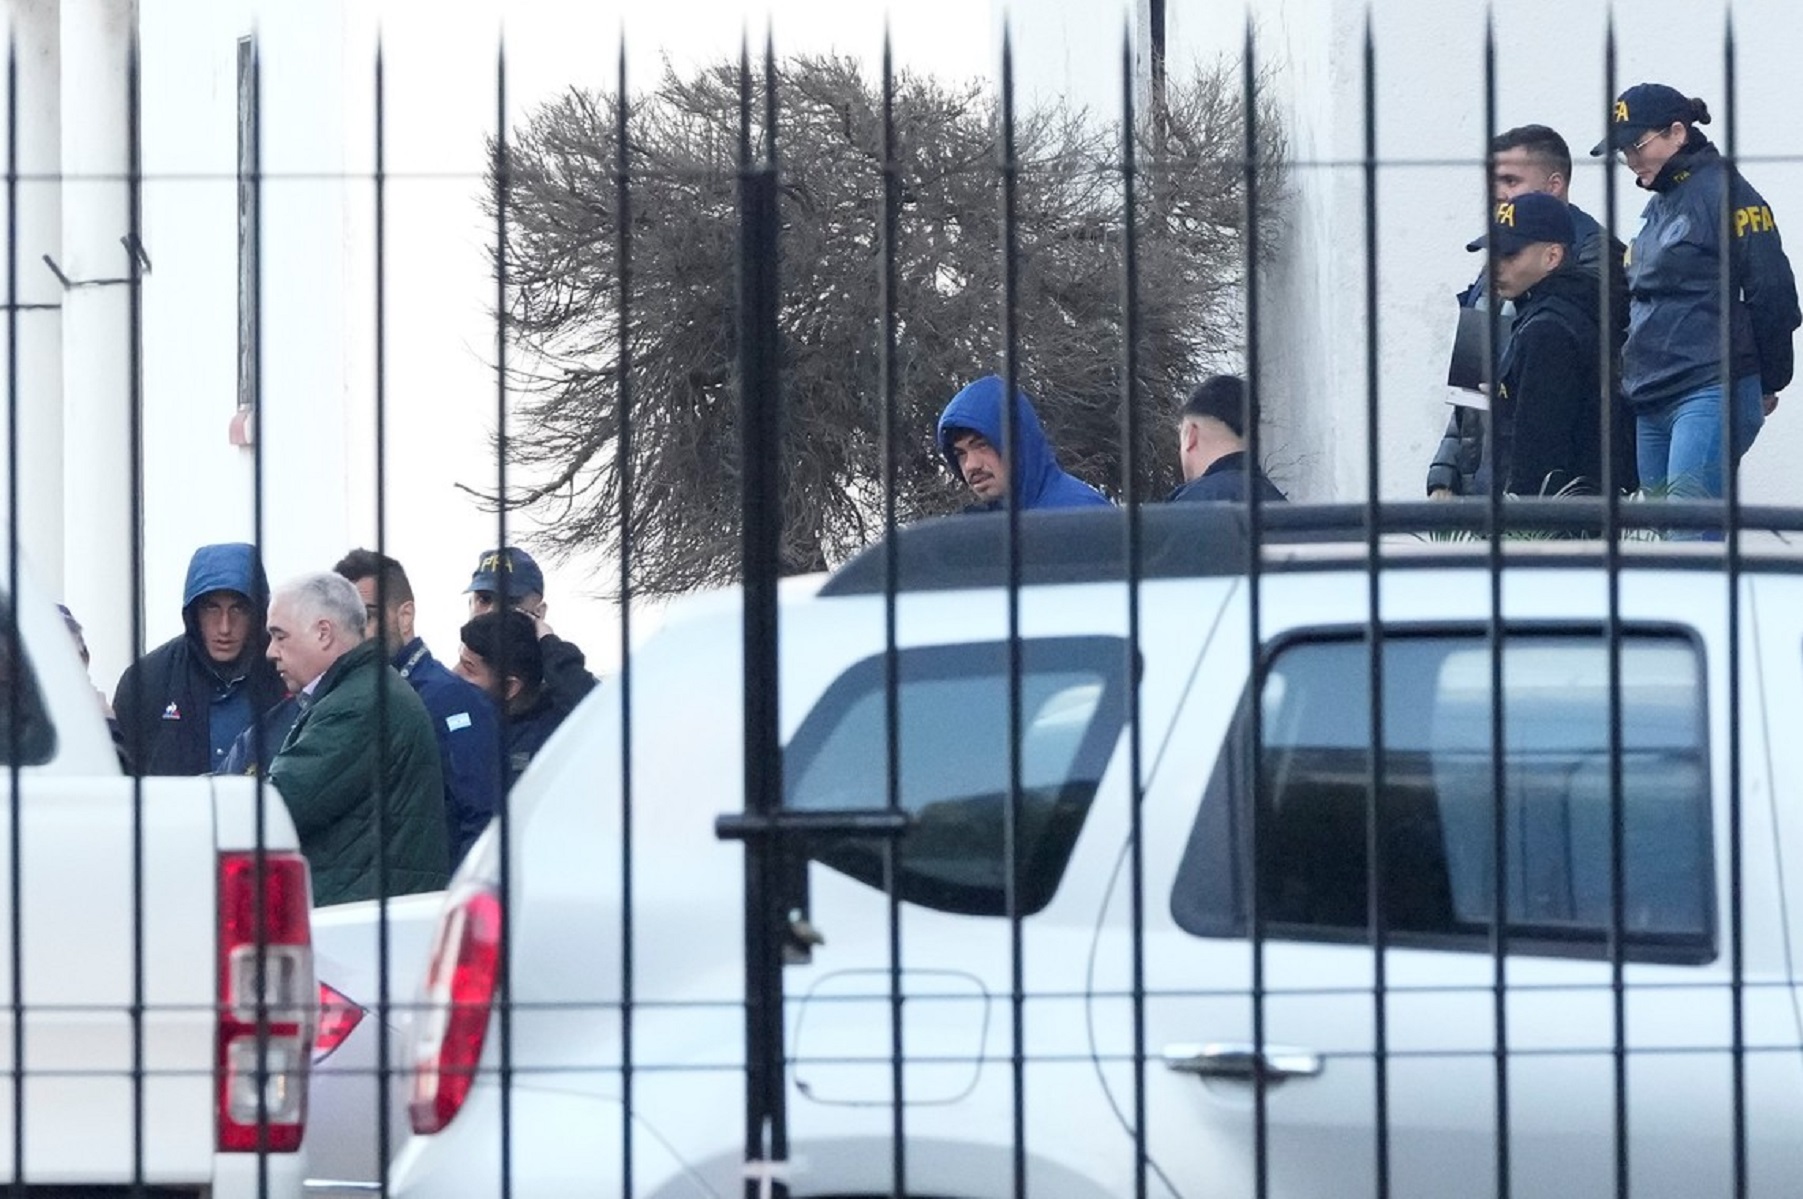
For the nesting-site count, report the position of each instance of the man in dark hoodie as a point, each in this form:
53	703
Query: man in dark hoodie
1545	426
182	705
971	438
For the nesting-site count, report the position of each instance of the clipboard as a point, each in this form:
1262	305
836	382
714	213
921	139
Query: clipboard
1469	366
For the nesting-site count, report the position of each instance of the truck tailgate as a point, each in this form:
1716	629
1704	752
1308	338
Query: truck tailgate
89	1081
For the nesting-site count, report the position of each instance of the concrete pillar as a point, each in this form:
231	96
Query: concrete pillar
34	26
97	38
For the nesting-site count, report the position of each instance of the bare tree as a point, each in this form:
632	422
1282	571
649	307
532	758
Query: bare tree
563	314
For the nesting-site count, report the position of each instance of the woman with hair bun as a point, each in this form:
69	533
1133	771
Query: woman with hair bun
1672	363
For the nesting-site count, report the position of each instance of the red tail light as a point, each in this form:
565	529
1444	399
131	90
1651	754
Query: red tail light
339	1017
260	1072
453	1022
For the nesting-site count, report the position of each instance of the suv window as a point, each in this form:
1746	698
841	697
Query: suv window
1436	810
954	741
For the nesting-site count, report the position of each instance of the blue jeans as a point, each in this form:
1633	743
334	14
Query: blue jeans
1679	442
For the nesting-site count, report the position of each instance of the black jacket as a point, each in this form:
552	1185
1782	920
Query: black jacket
1546	413
165	700
1225	481
528	731
567	679
1675	283
1458	462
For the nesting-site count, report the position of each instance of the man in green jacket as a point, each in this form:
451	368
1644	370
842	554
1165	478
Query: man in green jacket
360	767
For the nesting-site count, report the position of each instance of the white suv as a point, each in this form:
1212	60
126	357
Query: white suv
560	1050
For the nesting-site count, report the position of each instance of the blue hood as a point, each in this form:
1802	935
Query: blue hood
1035	477
233	566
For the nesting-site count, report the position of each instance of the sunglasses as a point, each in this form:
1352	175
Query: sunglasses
1638	146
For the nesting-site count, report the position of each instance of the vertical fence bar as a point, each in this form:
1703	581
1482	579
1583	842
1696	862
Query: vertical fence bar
1612	632
1130	333
1261	1112
1009	170
623	458
1731	518
1496	637
1618	994
134	398
383	599
250	167
504	818
15	863
1374	635
761	508
259	515
1616	806
898	1165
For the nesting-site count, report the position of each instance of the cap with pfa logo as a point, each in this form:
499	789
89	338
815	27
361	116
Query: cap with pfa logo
1527	220
1639	110
507	569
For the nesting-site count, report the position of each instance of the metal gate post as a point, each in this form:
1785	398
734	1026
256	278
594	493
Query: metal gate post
766	1128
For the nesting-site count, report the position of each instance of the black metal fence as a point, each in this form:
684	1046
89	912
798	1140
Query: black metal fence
1020	558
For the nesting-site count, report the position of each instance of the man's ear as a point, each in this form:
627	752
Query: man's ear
403	614
512	687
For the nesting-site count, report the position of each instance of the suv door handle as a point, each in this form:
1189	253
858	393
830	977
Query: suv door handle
1241	1062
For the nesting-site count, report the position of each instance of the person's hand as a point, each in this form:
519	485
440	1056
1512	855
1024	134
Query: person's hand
1769	401
1440	493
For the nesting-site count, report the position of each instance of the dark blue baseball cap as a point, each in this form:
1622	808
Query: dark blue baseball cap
1528	219
1640	110
510	569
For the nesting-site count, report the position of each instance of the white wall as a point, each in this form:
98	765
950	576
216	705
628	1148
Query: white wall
198	487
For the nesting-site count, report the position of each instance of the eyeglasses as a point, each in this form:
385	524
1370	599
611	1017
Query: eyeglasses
1640	145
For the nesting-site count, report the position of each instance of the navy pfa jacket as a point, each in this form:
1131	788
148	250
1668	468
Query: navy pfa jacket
469	743
1674	282
1034	476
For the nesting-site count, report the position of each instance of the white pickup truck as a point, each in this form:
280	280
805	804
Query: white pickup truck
136	922
1710	766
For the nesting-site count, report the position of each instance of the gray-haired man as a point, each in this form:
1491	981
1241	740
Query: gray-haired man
363	738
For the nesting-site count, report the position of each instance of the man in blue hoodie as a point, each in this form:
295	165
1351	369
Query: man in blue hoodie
182	705
970	437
